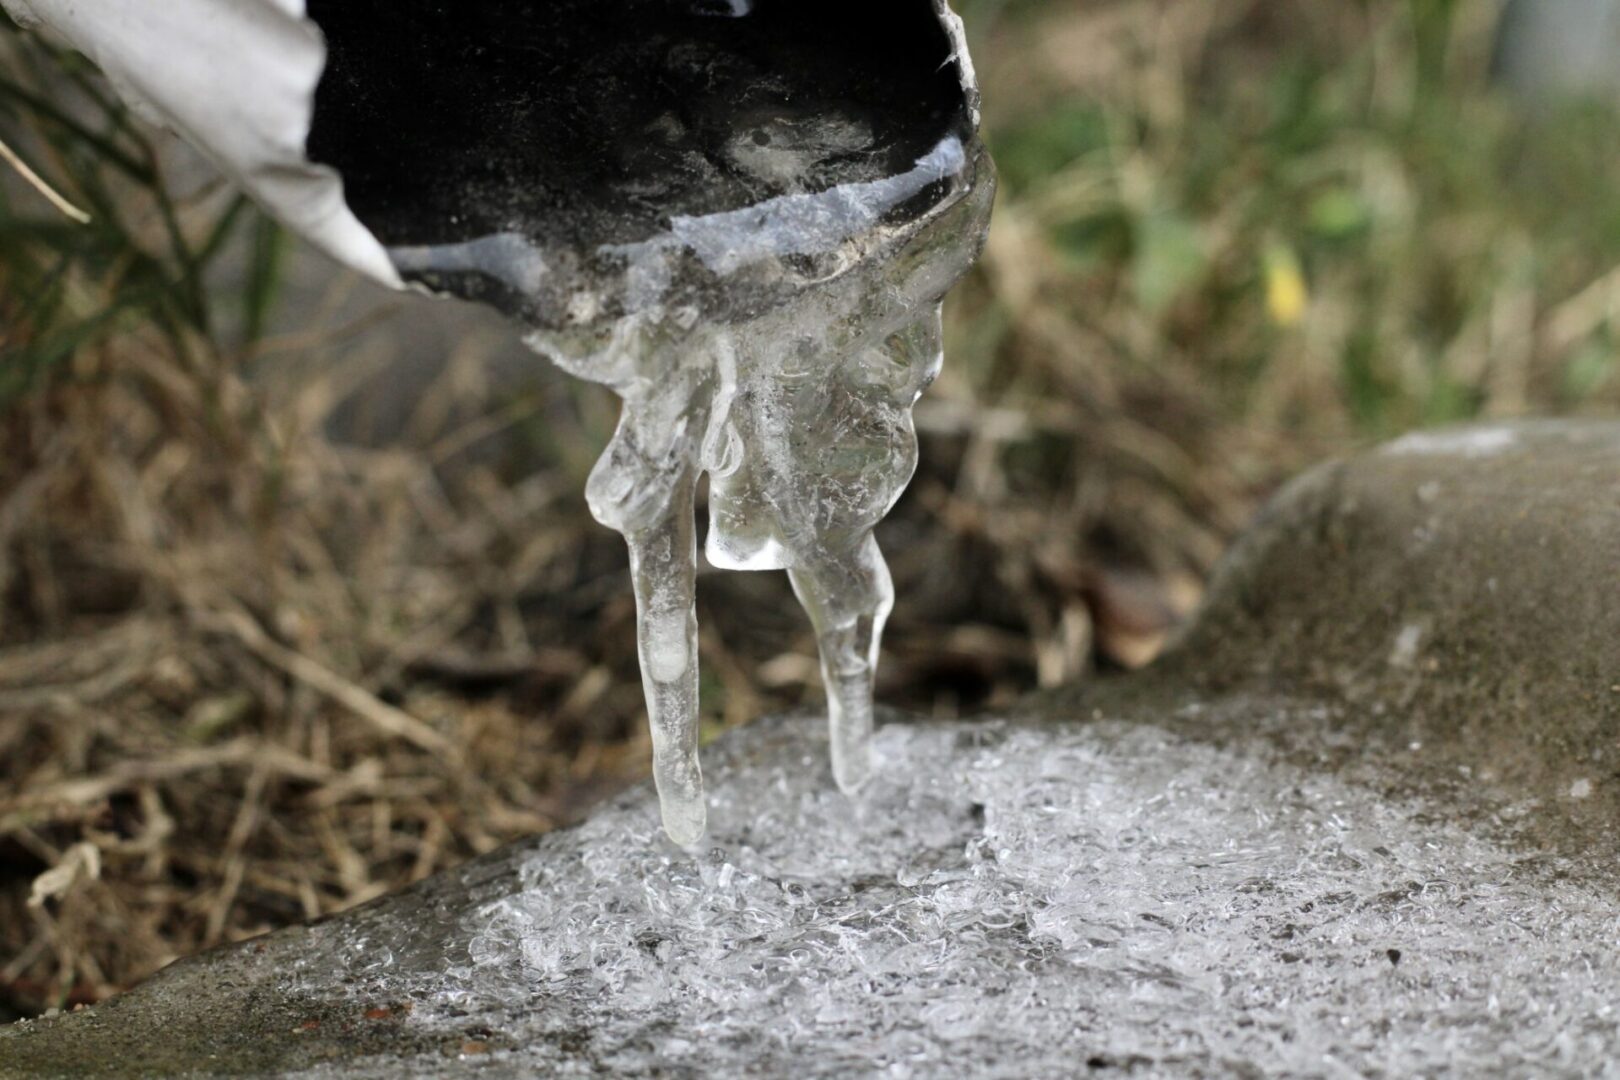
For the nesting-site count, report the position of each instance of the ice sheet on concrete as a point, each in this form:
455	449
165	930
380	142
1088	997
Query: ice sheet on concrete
1010	901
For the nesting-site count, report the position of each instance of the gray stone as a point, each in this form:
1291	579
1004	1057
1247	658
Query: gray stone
1458	590
1549	49
1360	820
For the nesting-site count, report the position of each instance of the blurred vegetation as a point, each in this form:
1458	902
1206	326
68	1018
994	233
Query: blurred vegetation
139	264
257	666
1342	241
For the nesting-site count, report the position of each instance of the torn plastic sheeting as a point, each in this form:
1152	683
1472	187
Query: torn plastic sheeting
236	79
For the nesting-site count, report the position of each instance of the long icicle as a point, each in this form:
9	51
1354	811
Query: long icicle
663	566
848	600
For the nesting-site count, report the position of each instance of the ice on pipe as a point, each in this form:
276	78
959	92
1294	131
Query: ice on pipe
741	216
1016	901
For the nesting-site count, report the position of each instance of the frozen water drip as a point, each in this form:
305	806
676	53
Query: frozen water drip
741	217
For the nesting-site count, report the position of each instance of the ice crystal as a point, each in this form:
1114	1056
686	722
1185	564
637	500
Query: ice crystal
1017	901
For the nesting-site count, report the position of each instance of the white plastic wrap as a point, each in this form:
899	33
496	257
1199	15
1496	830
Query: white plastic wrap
236	79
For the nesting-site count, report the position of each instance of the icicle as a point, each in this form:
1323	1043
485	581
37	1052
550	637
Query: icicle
663	566
805	453
848	600
643	487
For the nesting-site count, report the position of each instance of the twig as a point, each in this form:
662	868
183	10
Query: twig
1583	313
175	764
358	700
37	182
247	820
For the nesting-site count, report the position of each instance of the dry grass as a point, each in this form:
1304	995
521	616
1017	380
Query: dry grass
252	673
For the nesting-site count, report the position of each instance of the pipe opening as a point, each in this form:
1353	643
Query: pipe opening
580	123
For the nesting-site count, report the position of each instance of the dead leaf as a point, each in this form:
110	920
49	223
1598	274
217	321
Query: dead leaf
80	860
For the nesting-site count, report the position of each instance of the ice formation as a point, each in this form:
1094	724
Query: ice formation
742	217
1017	901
